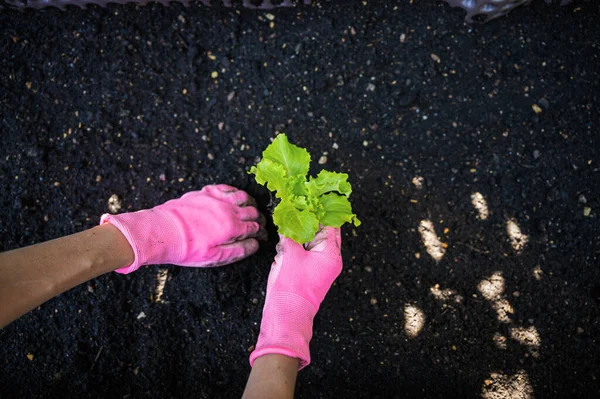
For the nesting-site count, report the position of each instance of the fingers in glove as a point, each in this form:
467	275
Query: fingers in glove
239	250
224	188
240	198
250	230
325	237
251	214
248	213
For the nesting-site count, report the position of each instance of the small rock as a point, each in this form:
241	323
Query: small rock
368	269
30	356
220	125
141	315
373	301
323	160
335	146
270	17
536	108
214	74
402	38
370	87
418	181
98	179
114	204
435	58
210	156
579	330
230	96
162	177
365	143
536	154
586	211
582	199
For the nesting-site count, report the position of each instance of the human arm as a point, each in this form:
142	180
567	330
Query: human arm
30	276
215	226
272	377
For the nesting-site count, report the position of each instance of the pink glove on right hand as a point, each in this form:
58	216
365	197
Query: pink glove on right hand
298	283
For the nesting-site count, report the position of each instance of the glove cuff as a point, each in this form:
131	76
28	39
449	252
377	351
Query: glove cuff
286	327
152	235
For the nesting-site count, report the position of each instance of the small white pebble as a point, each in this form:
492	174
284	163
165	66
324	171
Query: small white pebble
366	143
335	146
323	160
114	204
141	315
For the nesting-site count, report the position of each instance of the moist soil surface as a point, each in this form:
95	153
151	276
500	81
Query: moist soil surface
422	111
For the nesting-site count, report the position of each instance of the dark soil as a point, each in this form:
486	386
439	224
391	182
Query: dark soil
104	101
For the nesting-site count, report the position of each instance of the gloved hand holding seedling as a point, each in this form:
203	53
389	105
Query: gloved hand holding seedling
304	203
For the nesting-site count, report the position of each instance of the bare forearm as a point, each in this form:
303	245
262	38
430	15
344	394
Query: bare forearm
272	377
32	275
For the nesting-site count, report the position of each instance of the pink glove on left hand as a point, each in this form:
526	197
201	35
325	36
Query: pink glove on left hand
211	227
299	280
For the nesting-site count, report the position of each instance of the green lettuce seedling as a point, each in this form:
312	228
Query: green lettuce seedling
304	204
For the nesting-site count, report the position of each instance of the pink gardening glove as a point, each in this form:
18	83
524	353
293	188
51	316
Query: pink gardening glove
298	283
211	227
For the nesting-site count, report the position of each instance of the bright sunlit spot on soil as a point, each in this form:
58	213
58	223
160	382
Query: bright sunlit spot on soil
500	341
527	336
491	289
481	205
518	240
433	245
506	386
414	320
161	279
445	295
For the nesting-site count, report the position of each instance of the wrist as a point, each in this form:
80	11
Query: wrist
114	250
286	328
152	235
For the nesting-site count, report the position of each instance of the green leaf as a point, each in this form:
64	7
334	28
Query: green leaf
337	211
294	159
304	204
300	202
296	185
299	225
271	173
327	181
